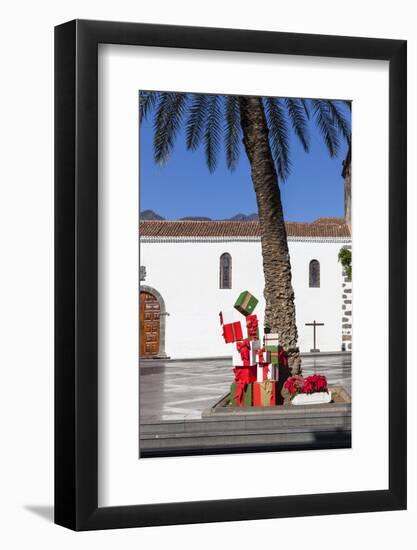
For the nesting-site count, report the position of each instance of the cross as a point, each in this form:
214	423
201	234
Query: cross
314	325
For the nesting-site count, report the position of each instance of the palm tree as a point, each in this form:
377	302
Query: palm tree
264	124
347	175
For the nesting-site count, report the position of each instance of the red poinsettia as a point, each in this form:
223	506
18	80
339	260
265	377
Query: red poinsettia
315	383
294	385
311	384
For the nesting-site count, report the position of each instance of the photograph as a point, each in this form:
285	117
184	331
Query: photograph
208	296
245	278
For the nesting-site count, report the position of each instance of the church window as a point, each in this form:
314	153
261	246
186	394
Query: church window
225	270
314	274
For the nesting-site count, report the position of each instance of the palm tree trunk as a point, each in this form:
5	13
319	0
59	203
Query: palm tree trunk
347	175
279	294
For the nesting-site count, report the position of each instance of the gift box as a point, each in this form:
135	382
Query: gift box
242	353
271	339
232	332
266	371
232	329
246	303
277	356
228	316
264	393
247	375
252	327
272	355
245	352
241	394
271	347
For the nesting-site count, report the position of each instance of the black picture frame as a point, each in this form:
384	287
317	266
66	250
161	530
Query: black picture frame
76	271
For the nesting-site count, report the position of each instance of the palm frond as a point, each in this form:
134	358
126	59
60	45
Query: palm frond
326	124
213	131
297	116
232	131
147	101
306	108
168	118
340	119
278	135
348	102
195	123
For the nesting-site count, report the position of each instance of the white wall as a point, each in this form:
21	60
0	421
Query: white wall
186	274
26	224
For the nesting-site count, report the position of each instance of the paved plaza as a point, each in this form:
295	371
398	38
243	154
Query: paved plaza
181	390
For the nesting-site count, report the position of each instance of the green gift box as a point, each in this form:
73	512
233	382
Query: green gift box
271	348
246	303
272	354
241	394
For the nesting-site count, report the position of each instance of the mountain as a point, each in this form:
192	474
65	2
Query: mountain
150	215
244	217
196	219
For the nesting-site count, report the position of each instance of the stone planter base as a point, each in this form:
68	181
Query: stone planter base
227	429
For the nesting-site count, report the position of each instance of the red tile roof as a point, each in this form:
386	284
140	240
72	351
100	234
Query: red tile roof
323	227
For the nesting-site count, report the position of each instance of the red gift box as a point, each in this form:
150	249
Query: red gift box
232	332
264	393
245	375
267	371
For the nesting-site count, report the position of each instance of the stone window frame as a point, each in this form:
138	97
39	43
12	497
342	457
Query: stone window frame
222	285
314	278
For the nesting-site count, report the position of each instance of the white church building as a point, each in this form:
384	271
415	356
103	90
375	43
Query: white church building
190	270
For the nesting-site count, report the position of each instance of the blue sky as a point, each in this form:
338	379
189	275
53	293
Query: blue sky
185	187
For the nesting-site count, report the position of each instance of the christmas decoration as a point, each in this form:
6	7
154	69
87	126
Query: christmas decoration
246	303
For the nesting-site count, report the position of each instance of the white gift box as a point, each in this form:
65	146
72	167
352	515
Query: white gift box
316	398
228	316
271	339
237	359
271	372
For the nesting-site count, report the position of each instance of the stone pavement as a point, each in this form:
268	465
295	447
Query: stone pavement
181	390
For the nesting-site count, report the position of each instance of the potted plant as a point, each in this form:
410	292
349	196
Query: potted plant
312	390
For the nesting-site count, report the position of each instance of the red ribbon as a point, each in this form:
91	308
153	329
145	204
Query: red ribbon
240	392
265	370
282	358
246	375
243	348
260	353
252	321
252	325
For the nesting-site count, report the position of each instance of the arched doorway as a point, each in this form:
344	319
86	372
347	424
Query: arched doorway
151	323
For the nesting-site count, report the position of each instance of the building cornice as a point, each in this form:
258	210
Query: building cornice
194	239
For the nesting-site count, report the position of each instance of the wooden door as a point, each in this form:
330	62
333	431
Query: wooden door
149	325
